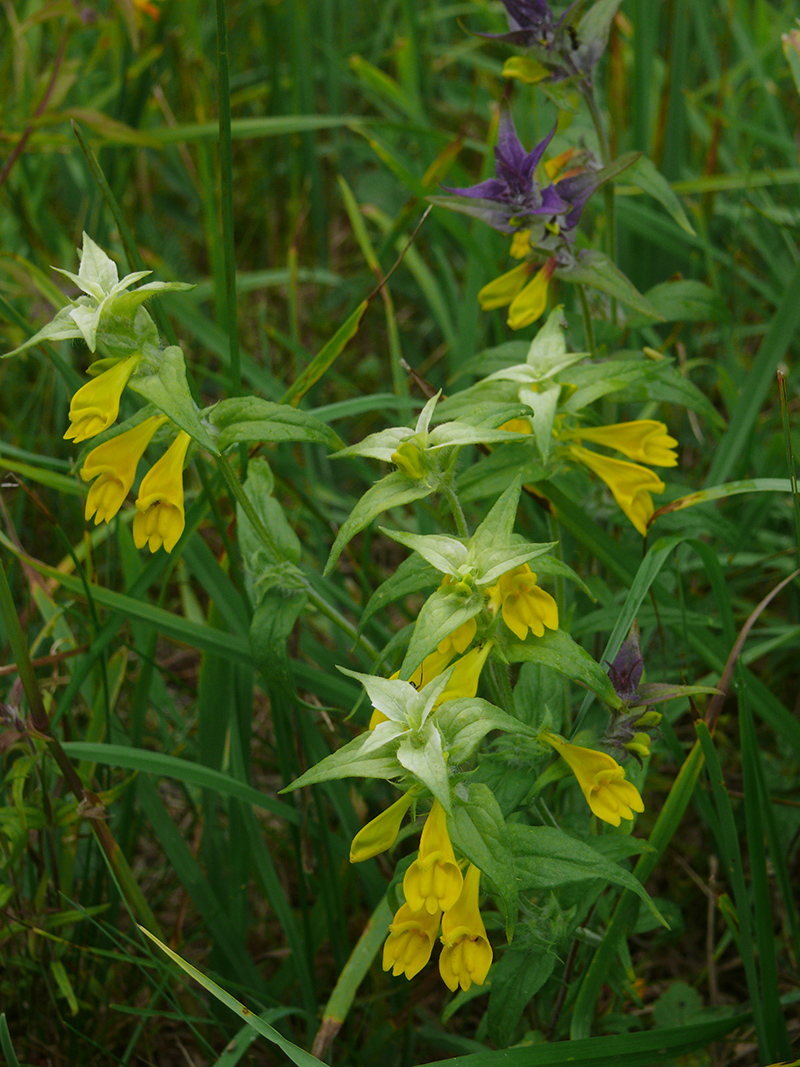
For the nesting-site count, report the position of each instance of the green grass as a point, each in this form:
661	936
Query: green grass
337	120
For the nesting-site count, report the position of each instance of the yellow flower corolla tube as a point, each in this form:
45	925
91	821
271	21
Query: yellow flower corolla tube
433	881
458	641
601	779
381	833
467	954
630	484
524	605
466	674
501	291
160	502
644	440
529	304
411	936
113	466
96	405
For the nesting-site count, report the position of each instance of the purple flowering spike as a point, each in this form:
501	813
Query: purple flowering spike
626	670
513	198
534	16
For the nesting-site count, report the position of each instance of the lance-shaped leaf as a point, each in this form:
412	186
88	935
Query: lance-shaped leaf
250	418
556	649
466	721
442	613
593	268
390	492
658	692
547	858
423	756
544	404
646	176
161	379
479	831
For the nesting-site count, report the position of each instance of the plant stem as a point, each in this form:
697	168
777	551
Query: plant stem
458	512
587	321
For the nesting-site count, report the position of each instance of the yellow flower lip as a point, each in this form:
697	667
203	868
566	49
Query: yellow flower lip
523	604
113	465
467	954
434	880
159	505
602	780
410	942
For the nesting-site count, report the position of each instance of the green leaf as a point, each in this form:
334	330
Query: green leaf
467	720
443	612
297	1055
162	380
557	649
363	757
547	858
390	492
517	976
249	418
325	356
646	176
596	270
684	300
479	830
413	574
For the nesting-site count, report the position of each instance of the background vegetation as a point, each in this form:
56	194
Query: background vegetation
344	116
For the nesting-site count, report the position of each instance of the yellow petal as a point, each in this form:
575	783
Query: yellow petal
96	405
502	290
381	833
530	302
160	502
643	440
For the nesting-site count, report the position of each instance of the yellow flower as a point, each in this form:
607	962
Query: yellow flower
601	779
411	936
526	70
501	291
459	640
630	484
517	426
466	674
433	881
96	405
113	465
381	833
524	605
467	954
160	501
529	304
644	440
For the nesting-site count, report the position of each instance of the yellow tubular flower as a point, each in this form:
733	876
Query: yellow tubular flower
96	405
381	833
529	304
630	484
160	502
601	779
501	291
524	605
411	936
466	674
517	426
113	465
467	954
433	881
644	440
526	70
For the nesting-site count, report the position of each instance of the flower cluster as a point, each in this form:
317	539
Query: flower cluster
437	894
